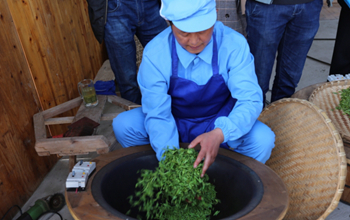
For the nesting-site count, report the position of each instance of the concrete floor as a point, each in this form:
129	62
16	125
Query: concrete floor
315	71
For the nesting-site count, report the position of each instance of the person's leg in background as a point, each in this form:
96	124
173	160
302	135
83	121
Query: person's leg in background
294	46
119	37
265	28
123	21
341	55
150	22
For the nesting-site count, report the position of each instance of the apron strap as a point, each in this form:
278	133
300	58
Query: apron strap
214	60
174	57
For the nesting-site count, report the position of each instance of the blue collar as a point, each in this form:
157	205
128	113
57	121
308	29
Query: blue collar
186	57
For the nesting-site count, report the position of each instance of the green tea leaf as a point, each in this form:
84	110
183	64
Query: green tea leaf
175	189
344	104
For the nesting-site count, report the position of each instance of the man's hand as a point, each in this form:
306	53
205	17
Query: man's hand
210	144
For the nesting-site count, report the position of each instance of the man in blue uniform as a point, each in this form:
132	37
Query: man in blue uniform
198	86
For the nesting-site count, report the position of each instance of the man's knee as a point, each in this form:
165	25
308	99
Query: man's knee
264	139
129	128
120	125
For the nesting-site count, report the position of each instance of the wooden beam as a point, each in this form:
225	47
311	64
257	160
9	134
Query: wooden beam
111	138
72	162
69	120
39	126
92	113
109	116
125	104
59	120
72	145
49	113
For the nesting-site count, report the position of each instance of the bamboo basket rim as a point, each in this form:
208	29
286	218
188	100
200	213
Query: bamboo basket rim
336	139
339	119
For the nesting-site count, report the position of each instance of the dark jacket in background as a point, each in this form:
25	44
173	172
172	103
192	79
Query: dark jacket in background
340	63
98	17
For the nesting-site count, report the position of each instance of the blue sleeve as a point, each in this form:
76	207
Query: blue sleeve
156	103
243	85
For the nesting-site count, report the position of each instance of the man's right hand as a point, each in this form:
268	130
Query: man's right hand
210	144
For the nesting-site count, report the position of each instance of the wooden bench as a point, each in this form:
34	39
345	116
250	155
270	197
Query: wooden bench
72	146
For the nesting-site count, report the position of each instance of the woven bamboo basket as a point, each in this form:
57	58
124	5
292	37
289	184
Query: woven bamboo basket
308	156
327	98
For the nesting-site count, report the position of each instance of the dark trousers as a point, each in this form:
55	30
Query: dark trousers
124	20
288	30
341	55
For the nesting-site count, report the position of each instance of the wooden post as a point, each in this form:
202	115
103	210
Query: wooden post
72	161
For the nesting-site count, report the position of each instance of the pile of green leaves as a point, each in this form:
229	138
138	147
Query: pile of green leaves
175	189
344	104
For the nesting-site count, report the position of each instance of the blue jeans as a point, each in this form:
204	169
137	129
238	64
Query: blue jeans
288	30
124	20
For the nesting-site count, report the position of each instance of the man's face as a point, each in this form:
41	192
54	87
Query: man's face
193	42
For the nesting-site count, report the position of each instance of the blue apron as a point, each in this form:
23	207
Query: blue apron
196	107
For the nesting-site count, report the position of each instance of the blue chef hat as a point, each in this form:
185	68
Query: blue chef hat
190	15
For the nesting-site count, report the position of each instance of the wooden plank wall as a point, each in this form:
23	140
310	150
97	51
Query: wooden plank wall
46	48
21	168
60	47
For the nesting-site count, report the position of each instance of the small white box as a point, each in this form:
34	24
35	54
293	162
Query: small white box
77	179
88	167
